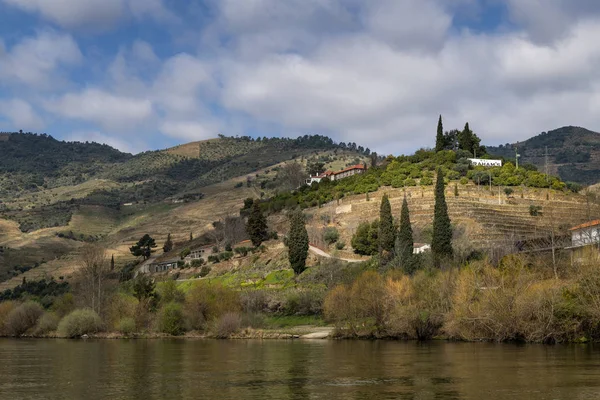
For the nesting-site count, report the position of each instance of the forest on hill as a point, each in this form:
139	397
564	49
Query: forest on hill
573	153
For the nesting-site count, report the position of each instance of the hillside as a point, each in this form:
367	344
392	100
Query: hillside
573	153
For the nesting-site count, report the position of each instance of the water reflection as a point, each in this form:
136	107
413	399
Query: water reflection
205	369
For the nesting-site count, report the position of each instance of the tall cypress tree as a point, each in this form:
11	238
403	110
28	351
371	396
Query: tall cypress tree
297	242
439	139
168	246
465	139
404	241
112	262
441	244
257	225
387	233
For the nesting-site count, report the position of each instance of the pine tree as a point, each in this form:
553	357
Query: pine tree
404	241
168	246
143	248
256	227
387	233
439	139
441	244
297	242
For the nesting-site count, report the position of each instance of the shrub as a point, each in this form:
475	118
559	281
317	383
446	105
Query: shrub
464	181
331	235
213	259
242	251
80	322
6	308
126	326
47	323
226	255
228	247
205	270
20	320
535	211
169	292
206	302
197	262
340	245
426	181
170	319
508	191
304	302
254	301
227	325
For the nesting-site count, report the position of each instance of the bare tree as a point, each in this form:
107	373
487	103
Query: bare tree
93	275
292	175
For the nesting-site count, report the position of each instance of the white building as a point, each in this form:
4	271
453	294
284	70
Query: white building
420	248
585	241
480	162
336	176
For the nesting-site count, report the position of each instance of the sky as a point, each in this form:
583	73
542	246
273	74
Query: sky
148	74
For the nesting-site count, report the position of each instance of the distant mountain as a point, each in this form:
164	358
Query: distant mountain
573	153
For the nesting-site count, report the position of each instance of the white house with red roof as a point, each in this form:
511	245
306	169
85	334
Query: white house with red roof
585	240
336	176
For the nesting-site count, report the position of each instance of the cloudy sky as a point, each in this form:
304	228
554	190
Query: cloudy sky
146	74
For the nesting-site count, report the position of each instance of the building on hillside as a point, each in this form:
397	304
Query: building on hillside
585	241
165	265
200	252
479	162
336	176
419	248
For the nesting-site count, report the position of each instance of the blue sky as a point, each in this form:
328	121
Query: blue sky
148	74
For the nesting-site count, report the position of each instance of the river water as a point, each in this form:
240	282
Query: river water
322	369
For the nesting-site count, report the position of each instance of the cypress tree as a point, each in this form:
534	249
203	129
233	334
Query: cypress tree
191	236
168	246
441	244
387	233
405	242
256	227
439	139
112	262
297	242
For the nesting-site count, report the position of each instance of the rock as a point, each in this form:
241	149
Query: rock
296	337
85	337
316	335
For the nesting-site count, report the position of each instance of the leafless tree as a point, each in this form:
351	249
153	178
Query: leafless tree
93	276
292	175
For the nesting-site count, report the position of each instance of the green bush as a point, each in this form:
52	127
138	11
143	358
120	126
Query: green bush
340	245
331	235
213	259
80	322
197	262
464	181
170	319
535	211
205	270
426	181
226	255
20	320
47	323
410	182
365	240
126	326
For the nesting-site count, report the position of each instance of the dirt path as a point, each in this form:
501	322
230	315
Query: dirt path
322	253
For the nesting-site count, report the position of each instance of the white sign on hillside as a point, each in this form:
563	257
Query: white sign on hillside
479	162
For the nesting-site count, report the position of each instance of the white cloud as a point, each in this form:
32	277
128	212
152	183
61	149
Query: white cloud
35	60
126	146
109	110
92	14
21	115
190	130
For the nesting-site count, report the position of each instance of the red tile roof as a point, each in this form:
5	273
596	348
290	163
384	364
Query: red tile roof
357	166
586	225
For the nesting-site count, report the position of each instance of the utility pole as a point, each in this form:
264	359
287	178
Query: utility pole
546	163
517	155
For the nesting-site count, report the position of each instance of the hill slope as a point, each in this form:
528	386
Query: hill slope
573	153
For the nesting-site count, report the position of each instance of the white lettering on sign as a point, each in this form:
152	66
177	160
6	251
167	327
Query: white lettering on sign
485	163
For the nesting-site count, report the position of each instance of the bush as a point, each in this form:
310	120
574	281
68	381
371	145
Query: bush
80	322
170	319
331	235
242	251
197	262
426	181
227	325
6	308
126	326
304	302
254	301
46	324
204	271
228	247
340	245
535	211
508	191
226	256
464	181
20	320
205	302
213	259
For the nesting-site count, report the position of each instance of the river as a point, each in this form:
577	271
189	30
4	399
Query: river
272	369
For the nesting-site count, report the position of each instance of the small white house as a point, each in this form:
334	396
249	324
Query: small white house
479	162
420	248
585	241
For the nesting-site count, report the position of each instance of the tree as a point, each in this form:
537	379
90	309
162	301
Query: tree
469	141
374	159
315	167
191	236
94	273
168	244
292	175
441	243
439	139
405	242
257	225
143	248
387	232
297	242
365	240
112	262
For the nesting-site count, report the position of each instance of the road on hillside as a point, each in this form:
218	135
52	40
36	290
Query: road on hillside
322	253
